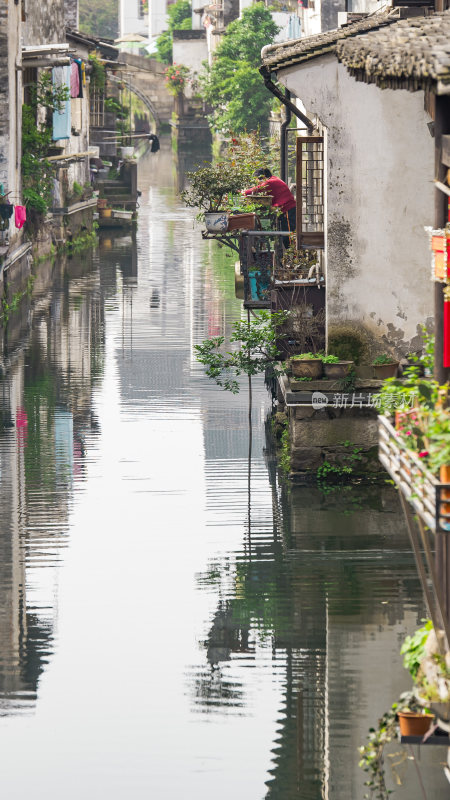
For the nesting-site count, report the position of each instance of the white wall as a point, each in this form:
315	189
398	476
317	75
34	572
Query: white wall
190	52
380	168
157	17
129	19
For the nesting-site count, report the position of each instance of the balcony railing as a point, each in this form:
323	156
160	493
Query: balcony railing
429	497
260	254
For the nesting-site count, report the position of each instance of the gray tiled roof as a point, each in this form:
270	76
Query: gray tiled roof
286	54
410	54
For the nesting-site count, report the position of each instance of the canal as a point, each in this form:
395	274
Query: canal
171	625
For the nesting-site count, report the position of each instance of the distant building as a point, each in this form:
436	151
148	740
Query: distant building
134	17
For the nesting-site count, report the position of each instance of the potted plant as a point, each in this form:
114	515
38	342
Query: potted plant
208	188
306	365
385	367
372	753
334	368
414	723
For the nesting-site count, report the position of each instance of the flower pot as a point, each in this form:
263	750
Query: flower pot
102	202
127	152
241	222
414	724
105	213
444	477
339	369
307	368
383	371
216	221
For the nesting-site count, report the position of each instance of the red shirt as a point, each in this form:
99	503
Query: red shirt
281	194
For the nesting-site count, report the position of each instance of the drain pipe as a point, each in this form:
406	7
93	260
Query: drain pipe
283	139
284	99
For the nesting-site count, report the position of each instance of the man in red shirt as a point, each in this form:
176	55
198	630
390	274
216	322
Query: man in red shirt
282	198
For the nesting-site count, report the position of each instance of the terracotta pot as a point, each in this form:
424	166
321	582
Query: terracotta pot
383	371
414	724
307	368
444	477
105	212
102	202
241	222
339	369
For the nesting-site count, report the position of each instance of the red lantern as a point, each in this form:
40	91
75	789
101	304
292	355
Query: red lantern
447	327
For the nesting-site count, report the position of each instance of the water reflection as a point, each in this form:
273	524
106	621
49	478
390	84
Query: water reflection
179	639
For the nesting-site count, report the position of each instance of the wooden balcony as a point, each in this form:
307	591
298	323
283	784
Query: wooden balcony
429	498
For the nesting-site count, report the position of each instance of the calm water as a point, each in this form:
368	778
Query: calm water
168	629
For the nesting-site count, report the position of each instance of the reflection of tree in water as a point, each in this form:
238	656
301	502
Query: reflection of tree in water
20	672
323	557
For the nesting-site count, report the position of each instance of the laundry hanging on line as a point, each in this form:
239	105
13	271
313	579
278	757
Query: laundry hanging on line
20	216
61	118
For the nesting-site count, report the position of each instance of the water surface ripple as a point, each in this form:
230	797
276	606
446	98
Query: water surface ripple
168	627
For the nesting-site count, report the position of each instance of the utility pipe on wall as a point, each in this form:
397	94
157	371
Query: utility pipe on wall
284	99
283	139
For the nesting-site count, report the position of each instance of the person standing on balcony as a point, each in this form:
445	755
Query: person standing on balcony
282	198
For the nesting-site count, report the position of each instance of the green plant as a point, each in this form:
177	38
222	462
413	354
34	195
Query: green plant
98	72
372	753
348	342
257	350
210	185
285	450
413	649
332	472
113	105
307	357
37	171
77	189
330	359
179	16
438	440
232	84
177	75
383	359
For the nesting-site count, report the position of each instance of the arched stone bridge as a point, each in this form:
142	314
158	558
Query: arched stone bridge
148	82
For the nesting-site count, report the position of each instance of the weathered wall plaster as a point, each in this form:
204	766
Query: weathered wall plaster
379	168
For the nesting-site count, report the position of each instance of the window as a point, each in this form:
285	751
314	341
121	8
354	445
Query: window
310	191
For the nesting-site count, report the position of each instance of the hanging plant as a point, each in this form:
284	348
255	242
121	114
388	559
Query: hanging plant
177	75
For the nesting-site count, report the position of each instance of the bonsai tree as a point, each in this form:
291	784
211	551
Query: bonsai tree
210	185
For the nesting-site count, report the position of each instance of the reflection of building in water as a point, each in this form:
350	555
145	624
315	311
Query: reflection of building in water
332	586
45	415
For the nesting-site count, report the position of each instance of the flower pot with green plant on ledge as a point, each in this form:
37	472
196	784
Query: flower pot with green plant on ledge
307	365
336	369
414	723
385	366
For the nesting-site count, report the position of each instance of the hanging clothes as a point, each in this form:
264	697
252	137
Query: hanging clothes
74	80
80	65
6	210
20	216
61	119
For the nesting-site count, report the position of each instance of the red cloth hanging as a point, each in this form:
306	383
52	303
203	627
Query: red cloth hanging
446	332
20	216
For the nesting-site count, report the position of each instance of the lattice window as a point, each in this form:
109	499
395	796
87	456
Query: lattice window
310	191
97	110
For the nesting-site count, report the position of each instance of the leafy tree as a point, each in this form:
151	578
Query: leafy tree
233	85
37	171
100	18
257	350
179	18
